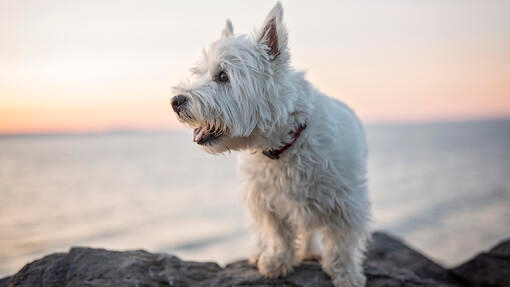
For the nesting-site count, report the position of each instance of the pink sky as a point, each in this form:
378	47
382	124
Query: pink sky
80	66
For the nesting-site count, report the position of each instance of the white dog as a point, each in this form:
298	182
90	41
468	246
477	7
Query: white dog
304	169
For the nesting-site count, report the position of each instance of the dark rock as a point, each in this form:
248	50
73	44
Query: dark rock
3	281
487	269
241	273
389	263
387	250
98	267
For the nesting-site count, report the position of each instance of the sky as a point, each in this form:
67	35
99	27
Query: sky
89	66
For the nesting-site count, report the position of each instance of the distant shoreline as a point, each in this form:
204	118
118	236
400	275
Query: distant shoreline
134	131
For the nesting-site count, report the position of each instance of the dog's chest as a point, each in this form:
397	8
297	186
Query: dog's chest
283	184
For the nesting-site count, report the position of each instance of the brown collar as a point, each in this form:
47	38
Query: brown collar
275	153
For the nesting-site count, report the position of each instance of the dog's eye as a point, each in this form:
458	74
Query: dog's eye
222	76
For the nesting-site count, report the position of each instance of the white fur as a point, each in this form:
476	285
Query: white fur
318	186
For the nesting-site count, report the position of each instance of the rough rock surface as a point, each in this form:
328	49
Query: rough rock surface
389	263
388	251
488	268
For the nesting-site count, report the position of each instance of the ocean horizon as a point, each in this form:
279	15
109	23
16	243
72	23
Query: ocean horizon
180	129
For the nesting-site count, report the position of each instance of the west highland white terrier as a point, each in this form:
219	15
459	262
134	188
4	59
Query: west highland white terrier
303	172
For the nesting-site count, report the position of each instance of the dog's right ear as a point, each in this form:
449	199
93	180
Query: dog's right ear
228	31
273	33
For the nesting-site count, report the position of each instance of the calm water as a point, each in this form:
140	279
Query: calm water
445	188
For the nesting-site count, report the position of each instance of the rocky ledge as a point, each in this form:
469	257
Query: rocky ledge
389	262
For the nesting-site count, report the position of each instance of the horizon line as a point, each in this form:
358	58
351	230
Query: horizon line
134	130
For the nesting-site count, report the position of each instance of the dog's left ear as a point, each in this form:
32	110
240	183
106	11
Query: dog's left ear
273	33
228	31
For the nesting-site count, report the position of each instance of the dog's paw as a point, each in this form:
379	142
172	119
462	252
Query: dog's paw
349	282
346	279
272	265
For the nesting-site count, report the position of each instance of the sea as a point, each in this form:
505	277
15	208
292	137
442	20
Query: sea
444	188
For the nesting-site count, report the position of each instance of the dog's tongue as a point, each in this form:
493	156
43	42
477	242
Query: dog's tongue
198	135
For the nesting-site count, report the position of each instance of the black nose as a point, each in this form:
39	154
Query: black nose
177	102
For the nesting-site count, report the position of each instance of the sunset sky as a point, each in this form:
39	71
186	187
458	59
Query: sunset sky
79	66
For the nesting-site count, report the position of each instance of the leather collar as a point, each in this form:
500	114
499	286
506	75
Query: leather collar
275	153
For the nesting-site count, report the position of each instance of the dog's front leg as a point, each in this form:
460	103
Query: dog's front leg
276	242
342	256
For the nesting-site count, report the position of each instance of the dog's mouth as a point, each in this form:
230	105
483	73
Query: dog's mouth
207	135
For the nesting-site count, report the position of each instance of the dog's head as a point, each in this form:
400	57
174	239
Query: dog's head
234	89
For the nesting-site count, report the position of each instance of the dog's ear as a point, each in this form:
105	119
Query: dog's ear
273	33
228	31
